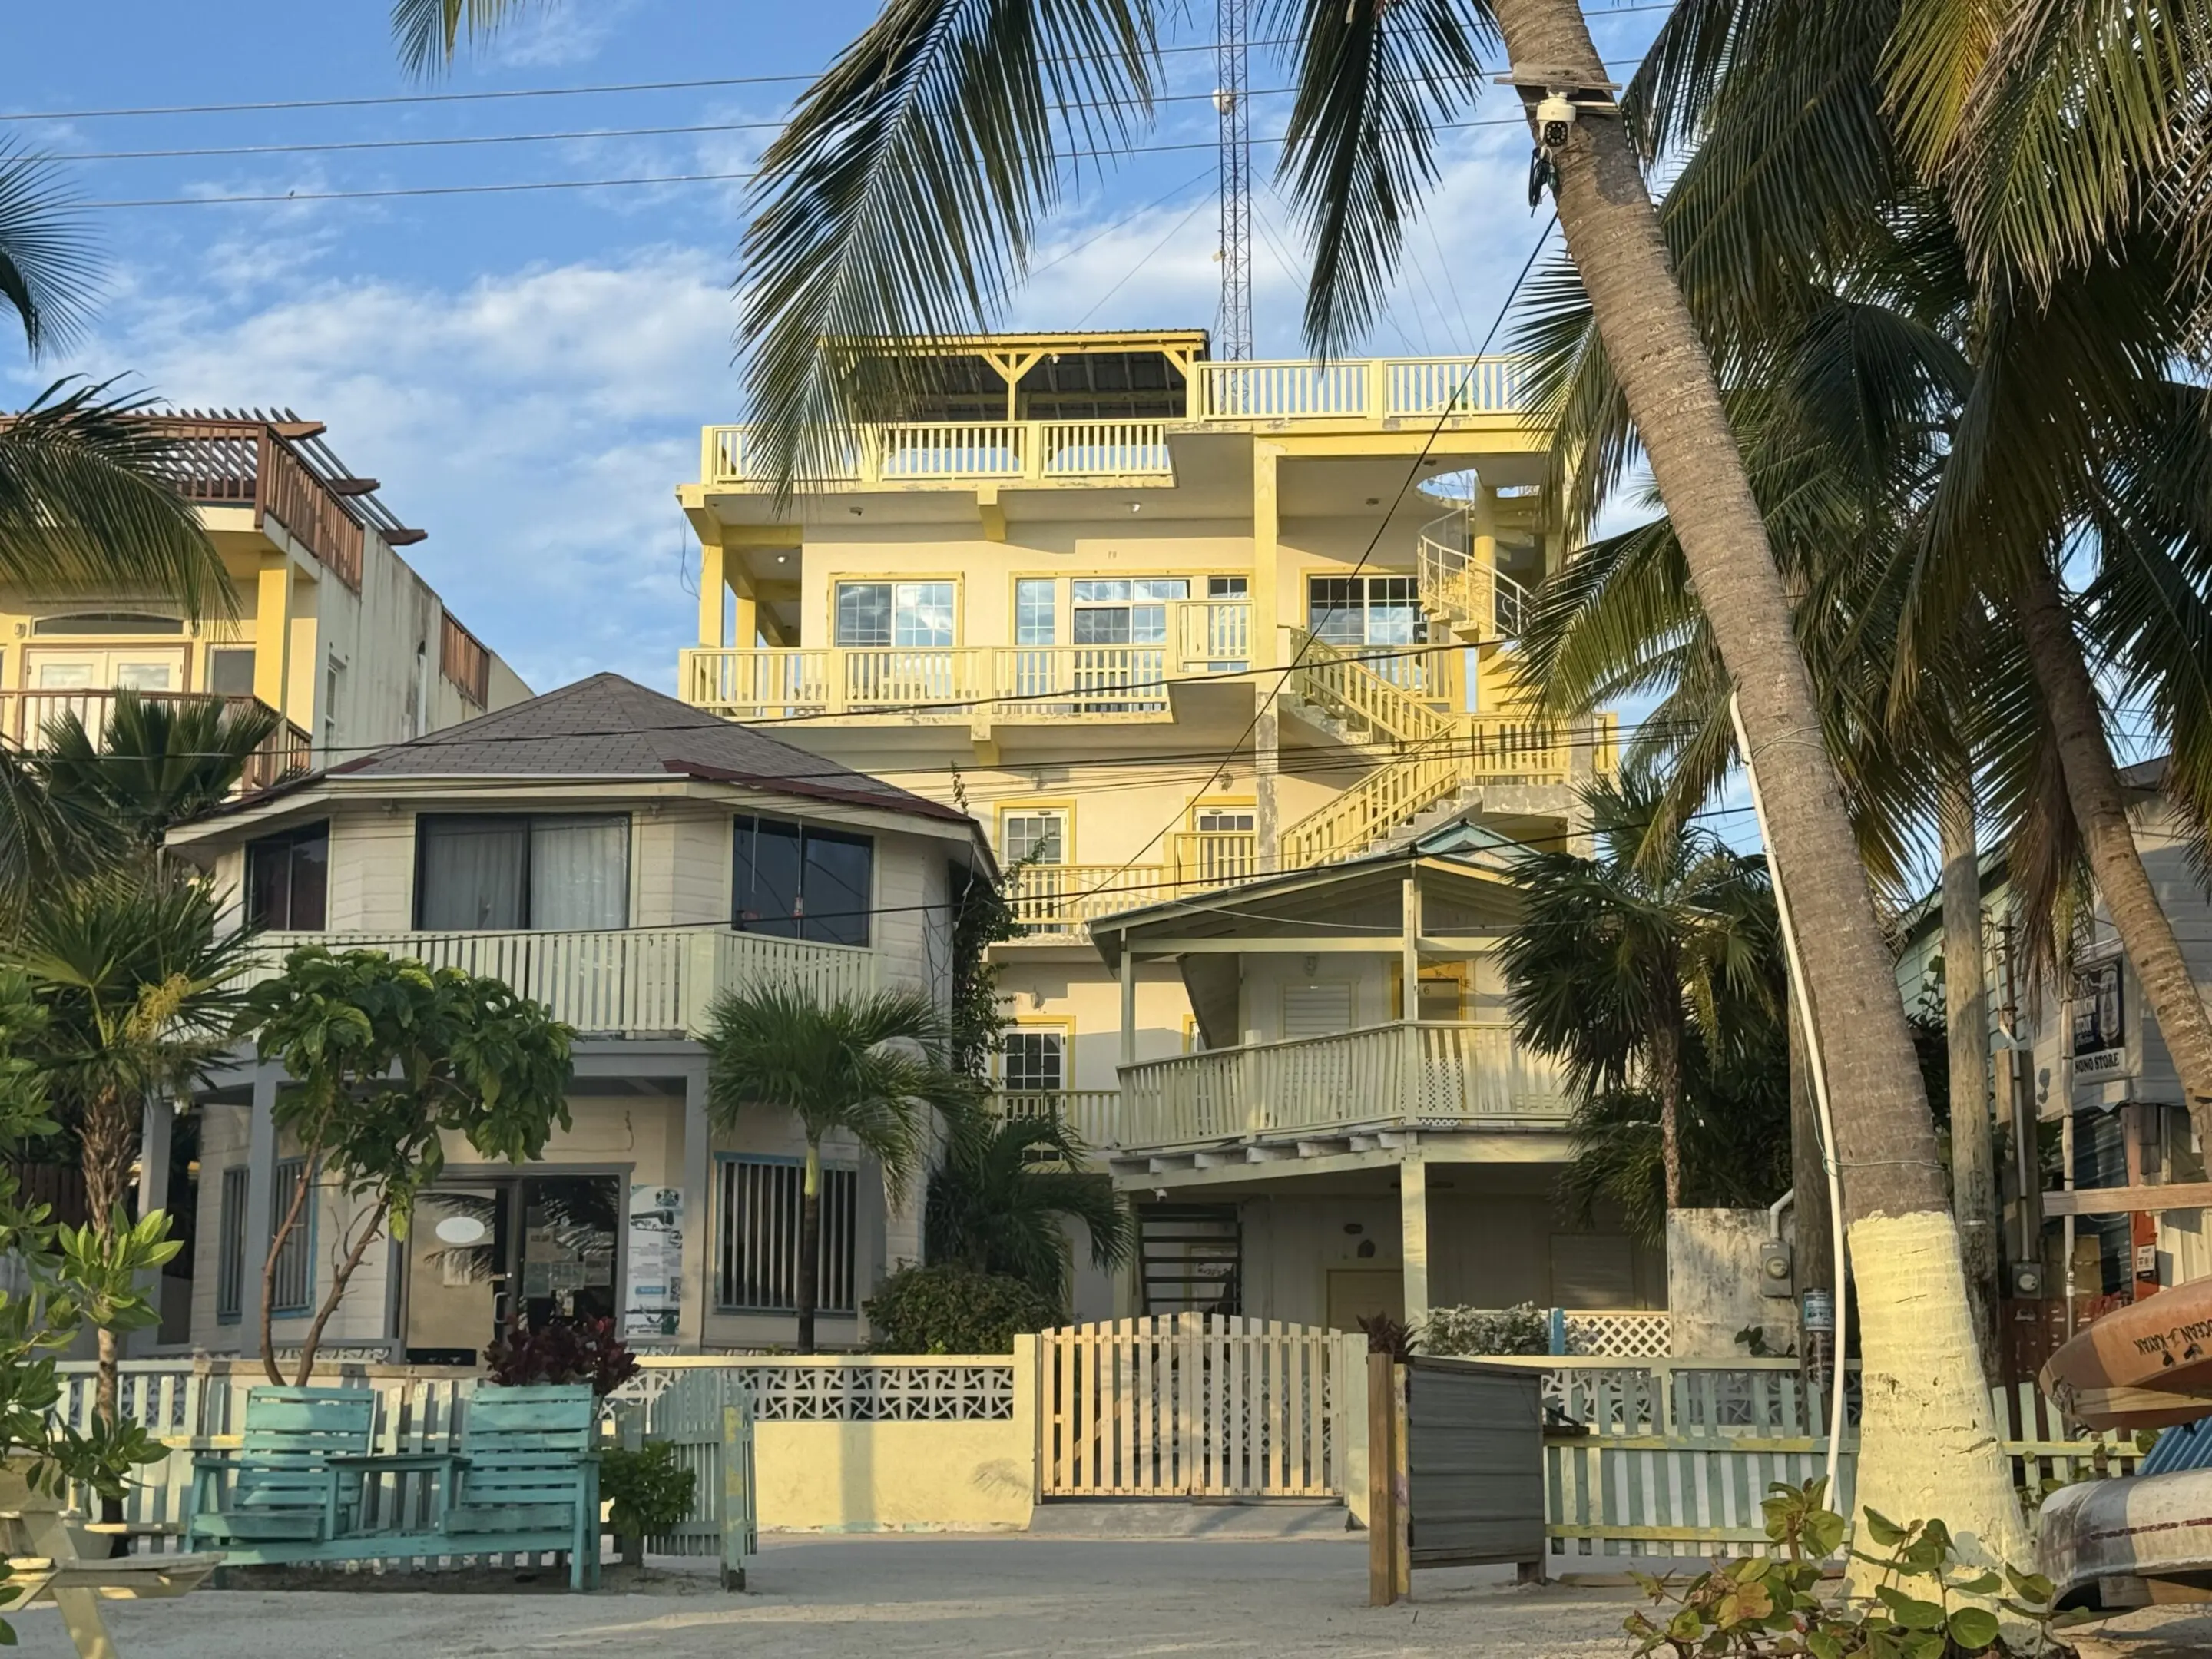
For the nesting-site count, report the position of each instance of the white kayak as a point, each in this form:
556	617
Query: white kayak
2153	1527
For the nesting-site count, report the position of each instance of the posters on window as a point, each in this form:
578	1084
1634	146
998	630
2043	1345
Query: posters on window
656	1263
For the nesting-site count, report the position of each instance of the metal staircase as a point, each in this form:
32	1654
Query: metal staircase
1467	593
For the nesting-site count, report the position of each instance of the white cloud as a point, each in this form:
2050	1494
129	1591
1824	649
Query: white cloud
535	423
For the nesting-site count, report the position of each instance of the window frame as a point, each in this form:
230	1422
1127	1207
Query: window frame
724	1267
1061	1028
290	840
800	919
424	821
838	585
1063	810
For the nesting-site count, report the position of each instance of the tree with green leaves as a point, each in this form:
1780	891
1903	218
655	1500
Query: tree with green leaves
1651	971
156	764
1002	1200
70	1277
382	1059
138	985
872	1068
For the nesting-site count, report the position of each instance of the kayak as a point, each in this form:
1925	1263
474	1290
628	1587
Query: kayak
2155	1527
2148	1366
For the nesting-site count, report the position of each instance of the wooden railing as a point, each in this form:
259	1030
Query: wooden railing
1200	859
966	682
1092	1114
246	464
1058	899
464	662
1377	388
1388	698
27	719
961	452
1405	1074
629	981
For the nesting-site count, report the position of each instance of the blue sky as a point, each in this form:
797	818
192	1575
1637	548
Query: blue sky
527	373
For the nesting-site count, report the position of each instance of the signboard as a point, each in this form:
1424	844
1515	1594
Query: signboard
655	1296
2100	1025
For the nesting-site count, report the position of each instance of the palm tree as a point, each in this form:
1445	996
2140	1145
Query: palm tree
139	990
900	202
999	1202
869	1067
157	763
1643	971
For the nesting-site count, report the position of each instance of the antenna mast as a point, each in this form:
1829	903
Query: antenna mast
1233	342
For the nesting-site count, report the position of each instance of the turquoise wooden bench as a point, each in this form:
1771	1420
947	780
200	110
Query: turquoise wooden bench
527	1479
293	1487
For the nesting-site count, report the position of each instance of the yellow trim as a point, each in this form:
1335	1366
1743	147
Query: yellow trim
1063	804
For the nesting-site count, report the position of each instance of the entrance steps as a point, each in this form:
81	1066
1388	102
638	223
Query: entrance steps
1252	1520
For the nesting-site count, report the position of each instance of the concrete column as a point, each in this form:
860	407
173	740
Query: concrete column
1266	653
154	1136
1409	949
260	1198
272	634
698	1216
1128	1003
1413	1231
713	603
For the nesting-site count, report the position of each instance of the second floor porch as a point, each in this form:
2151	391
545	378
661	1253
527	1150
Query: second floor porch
29	717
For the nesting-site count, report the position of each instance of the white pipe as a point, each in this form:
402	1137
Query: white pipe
1819	1090
1774	1212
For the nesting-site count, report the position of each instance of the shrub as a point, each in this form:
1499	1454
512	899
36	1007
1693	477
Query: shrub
648	1494
1472	1331
1388	1335
956	1309
566	1350
1927	1605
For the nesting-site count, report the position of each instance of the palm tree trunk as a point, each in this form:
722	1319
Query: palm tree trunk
810	1246
1814	1260
1667	1085
106	1141
1930	1441
2092	788
1966	1022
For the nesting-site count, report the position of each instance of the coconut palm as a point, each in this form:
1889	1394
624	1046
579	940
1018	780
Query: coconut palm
1647	970
139	988
901	201
869	1068
1000	1200
156	763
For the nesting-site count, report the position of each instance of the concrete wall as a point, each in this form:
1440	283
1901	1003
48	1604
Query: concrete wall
898	1477
1713	1285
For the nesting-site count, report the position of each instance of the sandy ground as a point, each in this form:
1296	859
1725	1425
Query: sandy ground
855	1598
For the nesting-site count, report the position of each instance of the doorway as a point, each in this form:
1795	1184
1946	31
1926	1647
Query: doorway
484	1252
1358	1293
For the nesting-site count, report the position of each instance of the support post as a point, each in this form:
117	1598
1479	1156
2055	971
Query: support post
714	605
698	1215
260	1200
1265	645
272	632
1128	1003
1382	1482
1409	952
1413	1232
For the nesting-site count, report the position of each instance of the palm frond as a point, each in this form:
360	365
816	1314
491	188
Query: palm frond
429	32
899	202
84	503
47	268
1376	79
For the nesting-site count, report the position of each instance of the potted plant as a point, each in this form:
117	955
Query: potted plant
567	1351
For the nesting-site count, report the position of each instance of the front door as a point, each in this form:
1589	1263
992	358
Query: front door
481	1253
1358	1293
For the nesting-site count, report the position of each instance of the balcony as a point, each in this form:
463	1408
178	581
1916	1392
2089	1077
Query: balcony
230	461
1058	900
26	717
634	982
1091	1114
1404	1075
968	683
965	453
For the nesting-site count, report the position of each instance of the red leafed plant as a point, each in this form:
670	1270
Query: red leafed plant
564	1351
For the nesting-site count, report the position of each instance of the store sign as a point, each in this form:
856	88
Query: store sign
655	1296
2099	1025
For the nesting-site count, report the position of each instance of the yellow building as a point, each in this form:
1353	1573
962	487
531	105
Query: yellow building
325	621
1164	625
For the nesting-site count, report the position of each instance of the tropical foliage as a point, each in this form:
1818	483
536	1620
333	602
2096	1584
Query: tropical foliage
872	1069
952	1308
384	1060
1001	1201
1653	971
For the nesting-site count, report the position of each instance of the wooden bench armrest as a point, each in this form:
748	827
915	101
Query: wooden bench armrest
369	1462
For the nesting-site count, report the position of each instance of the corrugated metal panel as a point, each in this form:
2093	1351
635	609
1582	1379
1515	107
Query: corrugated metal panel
2186	1446
1474	1463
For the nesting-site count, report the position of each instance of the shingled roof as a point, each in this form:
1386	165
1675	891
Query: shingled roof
607	727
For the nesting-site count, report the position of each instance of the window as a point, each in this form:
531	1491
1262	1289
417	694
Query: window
1125	611
756	1264
333	686
515	870
230	1253
1033	1060
230	670
1354	610
1033	837
917	614
1036	611
802	882
287	880
107	621
294	1288
1318	1010
1228	587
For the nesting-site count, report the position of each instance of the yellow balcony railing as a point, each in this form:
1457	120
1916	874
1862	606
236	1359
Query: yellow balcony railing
1058	899
1376	388
962	453
1200	859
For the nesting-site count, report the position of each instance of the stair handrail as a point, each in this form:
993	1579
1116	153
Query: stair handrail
1339	682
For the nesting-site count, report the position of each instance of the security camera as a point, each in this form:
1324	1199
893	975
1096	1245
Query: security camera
1555	113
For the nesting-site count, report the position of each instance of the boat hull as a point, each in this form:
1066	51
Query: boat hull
2145	1366
2156	1527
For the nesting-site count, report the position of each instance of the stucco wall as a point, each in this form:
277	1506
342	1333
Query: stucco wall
897	1476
